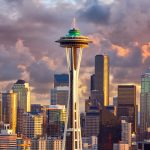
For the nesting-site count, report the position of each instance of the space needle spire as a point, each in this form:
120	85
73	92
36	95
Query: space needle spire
74	43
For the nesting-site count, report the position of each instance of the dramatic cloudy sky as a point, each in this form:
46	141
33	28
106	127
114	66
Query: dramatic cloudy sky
28	29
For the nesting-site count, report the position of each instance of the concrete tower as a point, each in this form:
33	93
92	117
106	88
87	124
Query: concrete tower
74	44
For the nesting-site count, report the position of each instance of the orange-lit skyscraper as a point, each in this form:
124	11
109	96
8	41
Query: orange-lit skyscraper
100	80
9	109
74	44
23	101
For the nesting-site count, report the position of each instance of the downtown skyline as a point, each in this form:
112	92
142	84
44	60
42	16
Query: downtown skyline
28	51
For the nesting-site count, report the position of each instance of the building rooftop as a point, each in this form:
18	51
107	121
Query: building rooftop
57	106
20	82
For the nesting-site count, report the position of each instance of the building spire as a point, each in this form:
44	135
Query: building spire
74	23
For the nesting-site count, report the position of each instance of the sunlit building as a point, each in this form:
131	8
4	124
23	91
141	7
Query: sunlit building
23	95
46	144
121	146
9	109
126	129
23	101
100	80
145	105
32	125
127	108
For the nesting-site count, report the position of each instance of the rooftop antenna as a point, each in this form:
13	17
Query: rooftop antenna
74	25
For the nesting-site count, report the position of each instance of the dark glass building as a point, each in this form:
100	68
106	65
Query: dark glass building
36	108
110	130
100	80
127	108
61	80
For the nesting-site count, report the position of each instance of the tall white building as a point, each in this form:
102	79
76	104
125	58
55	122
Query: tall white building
145	105
126	132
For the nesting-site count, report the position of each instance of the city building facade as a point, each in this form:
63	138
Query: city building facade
9	109
126	107
32	125
145	105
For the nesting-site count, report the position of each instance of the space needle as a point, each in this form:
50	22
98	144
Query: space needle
74	43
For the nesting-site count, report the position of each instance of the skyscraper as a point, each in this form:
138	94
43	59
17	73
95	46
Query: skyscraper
100	81
23	95
32	125
9	109
92	122
126	132
72	42
127	108
55	121
110	130
145	104
0	107
59	94
23	101
61	80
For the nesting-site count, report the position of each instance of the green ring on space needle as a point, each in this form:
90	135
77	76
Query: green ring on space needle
74	32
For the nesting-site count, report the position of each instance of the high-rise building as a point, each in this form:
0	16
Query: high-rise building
9	109
110	130
92	122
23	101
127	108
126	132
36	108
55	121
74	43
61	80
8	139
59	95
100	80
145	105
32	125
23	95
0	107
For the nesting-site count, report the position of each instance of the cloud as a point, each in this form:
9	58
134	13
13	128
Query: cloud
95	12
29	28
